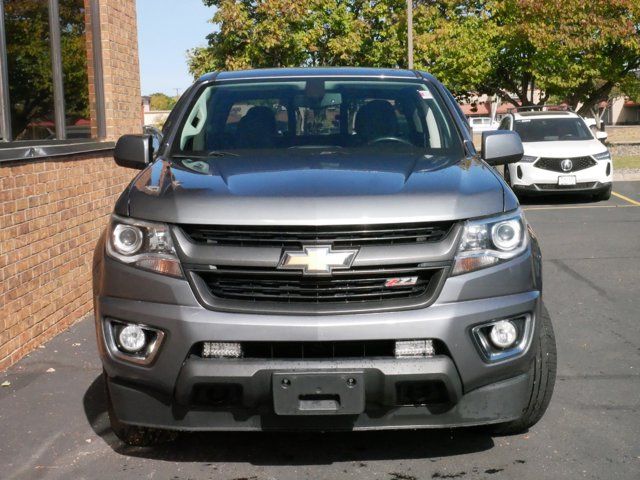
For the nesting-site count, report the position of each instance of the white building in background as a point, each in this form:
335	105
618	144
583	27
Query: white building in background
617	111
620	111
153	117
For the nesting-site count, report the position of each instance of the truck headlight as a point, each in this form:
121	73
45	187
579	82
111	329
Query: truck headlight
490	241
143	244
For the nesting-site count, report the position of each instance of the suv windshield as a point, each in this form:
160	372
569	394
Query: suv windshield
317	113
552	129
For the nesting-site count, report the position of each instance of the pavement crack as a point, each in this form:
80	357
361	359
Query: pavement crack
578	276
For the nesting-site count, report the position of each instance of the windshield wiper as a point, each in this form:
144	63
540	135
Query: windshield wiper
212	153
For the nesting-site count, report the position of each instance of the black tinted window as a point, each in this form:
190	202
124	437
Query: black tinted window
317	113
552	129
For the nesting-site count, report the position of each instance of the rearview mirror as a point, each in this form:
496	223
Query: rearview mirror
501	147
134	151
602	136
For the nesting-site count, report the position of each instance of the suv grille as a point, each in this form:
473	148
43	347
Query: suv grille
341	287
555	186
338	236
553	164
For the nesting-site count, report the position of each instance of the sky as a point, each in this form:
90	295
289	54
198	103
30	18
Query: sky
166	30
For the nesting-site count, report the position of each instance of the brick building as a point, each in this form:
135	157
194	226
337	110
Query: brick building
69	87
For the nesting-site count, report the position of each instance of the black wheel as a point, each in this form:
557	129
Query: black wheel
132	434
603	196
543	375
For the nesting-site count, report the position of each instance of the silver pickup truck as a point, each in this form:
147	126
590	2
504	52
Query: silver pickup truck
319	249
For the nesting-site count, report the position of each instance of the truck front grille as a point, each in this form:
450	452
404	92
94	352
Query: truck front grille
343	287
338	236
321	350
553	164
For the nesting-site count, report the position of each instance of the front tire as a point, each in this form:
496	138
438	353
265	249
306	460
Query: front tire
603	196
543	375
134	435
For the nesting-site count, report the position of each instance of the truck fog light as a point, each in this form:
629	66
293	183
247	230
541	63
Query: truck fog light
503	334
414	348
132	338
221	350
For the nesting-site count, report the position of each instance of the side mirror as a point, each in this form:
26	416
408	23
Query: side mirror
500	147
134	151
602	136
156	137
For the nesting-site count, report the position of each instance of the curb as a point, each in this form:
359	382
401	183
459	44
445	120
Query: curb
626	175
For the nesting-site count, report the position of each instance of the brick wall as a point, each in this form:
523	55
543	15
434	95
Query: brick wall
52	210
121	70
51	214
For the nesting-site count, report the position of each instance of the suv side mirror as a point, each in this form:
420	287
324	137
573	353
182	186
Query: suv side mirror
134	151
602	136
500	147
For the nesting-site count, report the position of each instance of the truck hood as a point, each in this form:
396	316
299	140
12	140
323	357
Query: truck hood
564	149
315	189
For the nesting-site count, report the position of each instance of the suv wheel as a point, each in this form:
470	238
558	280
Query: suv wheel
543	375
602	196
134	435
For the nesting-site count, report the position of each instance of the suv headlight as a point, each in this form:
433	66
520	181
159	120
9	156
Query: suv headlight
489	241
528	159
146	245
602	156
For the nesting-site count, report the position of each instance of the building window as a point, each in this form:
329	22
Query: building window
29	69
45	73
73	44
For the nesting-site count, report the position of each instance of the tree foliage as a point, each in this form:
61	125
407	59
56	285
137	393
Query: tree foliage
284	33
29	61
161	101
568	49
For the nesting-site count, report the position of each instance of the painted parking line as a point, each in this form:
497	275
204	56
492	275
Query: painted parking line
566	207
626	199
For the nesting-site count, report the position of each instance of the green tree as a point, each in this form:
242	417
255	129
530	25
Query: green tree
161	101
569	49
284	33
29	61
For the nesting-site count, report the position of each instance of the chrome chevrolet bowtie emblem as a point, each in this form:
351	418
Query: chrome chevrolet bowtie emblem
317	260
566	165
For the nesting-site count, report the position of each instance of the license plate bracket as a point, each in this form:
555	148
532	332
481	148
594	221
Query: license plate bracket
318	393
567	180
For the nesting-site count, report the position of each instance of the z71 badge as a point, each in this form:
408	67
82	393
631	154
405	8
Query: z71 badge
400	282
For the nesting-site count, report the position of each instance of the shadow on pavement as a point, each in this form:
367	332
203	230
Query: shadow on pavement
287	448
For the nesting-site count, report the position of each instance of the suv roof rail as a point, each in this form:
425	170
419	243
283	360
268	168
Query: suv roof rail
542	108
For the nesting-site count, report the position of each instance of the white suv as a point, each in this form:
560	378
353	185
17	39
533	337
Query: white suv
561	155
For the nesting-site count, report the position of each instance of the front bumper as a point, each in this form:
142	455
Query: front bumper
529	179
160	394
495	403
547	189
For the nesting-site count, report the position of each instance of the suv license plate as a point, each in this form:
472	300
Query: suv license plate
566	180
318	393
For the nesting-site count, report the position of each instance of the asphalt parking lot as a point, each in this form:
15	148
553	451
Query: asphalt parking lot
53	421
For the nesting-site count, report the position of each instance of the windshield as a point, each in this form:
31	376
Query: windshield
316	113
552	129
